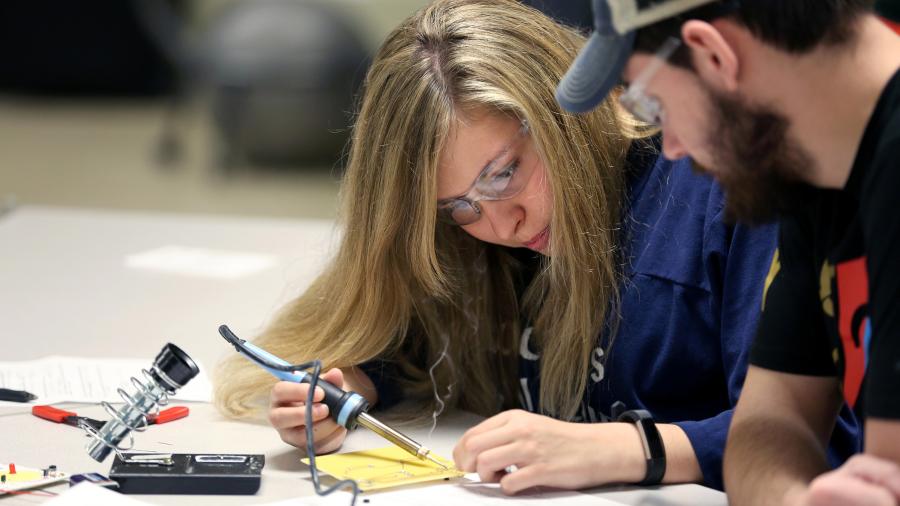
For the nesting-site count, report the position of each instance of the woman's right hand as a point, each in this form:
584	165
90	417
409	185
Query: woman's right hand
287	413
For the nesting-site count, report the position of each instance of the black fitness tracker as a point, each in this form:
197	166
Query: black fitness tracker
654	450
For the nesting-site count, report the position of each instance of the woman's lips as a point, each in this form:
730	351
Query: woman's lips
540	241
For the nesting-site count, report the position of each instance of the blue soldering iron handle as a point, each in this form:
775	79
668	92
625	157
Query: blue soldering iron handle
344	407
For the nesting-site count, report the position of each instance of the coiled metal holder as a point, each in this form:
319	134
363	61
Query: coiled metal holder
171	370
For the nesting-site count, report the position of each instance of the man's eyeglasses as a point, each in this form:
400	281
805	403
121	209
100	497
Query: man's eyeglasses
502	178
645	108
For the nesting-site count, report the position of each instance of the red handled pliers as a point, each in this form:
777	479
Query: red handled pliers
69	418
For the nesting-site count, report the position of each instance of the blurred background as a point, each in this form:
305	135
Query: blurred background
206	106
199	106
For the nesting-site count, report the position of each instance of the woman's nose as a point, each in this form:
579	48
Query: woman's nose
504	217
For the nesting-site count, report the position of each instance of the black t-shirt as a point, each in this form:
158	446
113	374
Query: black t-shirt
832	302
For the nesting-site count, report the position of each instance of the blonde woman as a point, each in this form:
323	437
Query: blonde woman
504	254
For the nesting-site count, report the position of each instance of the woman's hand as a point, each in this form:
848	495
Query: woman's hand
287	413
550	452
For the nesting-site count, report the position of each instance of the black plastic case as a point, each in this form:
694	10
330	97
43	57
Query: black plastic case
191	474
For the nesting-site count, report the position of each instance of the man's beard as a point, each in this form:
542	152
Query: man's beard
758	165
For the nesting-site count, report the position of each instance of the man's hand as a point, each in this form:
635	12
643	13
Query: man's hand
863	481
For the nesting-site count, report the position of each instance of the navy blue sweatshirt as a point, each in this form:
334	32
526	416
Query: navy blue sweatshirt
690	301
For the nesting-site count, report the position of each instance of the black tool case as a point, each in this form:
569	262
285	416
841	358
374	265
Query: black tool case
185	473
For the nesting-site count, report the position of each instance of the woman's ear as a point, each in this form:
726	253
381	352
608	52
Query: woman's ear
714	59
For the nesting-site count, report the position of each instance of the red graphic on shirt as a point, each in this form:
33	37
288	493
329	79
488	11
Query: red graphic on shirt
853	299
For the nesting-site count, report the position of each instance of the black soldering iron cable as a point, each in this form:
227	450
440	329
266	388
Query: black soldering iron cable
316	366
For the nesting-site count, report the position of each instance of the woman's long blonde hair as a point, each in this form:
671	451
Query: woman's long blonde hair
403	287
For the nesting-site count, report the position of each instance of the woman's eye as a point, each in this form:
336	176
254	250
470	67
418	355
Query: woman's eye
505	174
500	179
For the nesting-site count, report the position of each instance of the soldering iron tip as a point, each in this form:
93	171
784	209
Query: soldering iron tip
436	461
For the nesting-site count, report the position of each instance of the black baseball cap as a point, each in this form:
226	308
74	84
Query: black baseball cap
598	66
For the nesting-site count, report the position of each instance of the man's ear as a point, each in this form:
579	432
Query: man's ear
714	59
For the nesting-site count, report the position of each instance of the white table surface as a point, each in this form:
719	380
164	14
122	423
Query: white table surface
65	290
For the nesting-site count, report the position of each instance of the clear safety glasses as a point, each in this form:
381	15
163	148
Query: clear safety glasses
502	178
635	100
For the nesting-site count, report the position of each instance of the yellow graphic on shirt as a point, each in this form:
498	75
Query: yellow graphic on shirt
384	467
773	271
826	280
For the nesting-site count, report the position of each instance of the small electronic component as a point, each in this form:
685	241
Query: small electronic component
15	478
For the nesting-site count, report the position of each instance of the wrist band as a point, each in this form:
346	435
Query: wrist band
654	450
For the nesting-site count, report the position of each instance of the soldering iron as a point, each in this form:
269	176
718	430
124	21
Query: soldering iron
346	408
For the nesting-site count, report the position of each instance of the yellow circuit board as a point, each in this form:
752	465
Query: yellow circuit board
384	468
